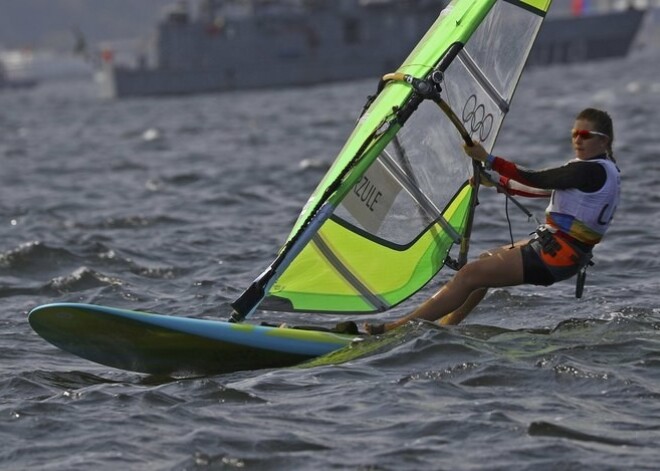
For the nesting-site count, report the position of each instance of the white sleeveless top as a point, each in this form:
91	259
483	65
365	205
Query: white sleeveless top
586	216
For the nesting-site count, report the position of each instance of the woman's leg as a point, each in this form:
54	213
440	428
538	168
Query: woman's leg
502	268
473	300
466	308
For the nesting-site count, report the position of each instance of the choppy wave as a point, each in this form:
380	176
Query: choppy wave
169	206
33	254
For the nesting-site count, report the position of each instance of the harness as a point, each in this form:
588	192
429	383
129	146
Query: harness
551	243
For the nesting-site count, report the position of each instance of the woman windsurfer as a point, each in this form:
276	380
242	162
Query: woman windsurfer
584	194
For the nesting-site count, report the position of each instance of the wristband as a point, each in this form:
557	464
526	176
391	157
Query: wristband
489	161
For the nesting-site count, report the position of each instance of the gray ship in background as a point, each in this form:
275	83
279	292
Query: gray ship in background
247	44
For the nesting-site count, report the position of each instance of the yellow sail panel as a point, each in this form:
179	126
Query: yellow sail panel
345	269
542	5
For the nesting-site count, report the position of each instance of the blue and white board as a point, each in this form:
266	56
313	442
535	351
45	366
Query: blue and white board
172	345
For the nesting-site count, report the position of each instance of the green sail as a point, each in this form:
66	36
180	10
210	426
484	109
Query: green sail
382	221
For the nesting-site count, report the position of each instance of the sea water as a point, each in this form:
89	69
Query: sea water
174	205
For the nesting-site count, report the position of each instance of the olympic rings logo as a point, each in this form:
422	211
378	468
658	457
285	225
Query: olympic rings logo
475	117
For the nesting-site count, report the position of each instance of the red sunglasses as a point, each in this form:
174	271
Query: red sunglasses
584	134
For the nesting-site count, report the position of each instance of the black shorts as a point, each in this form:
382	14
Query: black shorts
543	266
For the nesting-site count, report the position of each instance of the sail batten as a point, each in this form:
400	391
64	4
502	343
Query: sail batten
382	222
426	206
368	296
483	80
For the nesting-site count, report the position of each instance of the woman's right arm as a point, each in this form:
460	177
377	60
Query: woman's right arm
585	176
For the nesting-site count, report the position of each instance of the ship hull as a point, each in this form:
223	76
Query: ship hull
246	64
